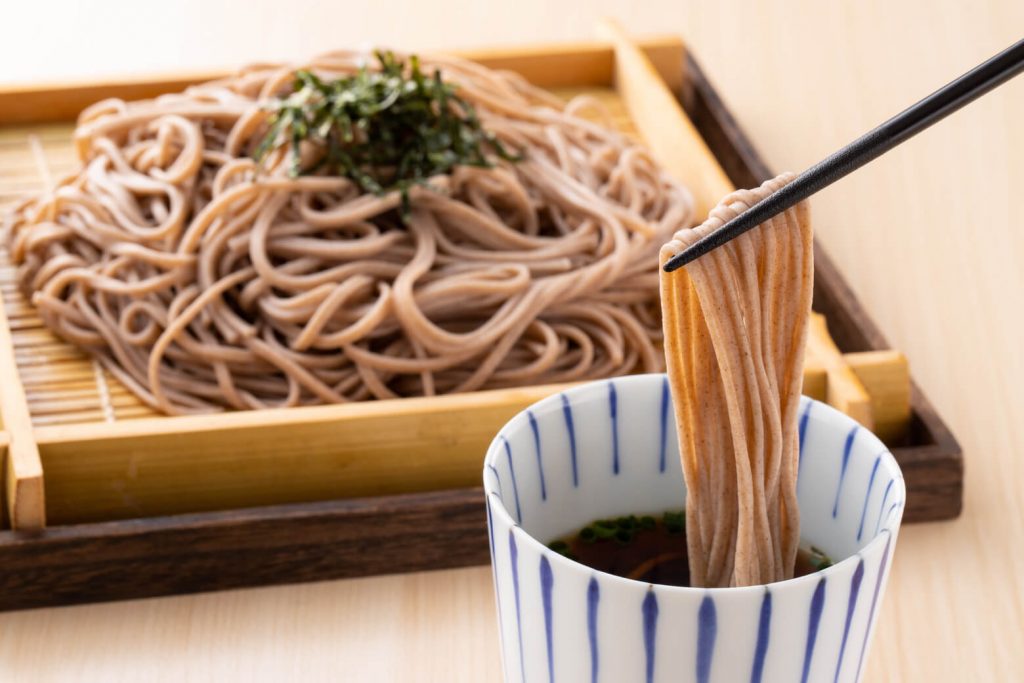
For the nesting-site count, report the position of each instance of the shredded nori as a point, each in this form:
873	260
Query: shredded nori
386	129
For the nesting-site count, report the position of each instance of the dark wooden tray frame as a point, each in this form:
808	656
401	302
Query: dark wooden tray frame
348	538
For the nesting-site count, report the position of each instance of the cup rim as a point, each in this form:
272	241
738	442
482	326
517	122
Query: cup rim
847	564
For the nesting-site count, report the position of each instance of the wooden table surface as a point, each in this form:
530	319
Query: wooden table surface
931	237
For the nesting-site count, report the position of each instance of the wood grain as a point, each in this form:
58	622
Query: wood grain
184	554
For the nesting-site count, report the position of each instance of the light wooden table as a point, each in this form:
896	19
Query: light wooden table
931	238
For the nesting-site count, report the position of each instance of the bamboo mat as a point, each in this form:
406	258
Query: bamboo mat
63	385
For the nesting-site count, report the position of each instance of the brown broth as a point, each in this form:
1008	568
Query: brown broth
650	549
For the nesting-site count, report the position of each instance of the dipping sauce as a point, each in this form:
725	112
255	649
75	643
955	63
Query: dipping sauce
650	548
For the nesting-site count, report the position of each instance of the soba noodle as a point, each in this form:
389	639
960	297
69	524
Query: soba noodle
735	330
204	282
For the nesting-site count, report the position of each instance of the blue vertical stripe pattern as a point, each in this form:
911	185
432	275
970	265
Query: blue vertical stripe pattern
891	508
497	476
490	524
514	559
804	419
874	603
547	580
567	411
515	487
803	427
613	408
858	576
764	626
536	446
885	498
867	496
842	470
650	613
593	598
665	396
814	619
707	631
494	571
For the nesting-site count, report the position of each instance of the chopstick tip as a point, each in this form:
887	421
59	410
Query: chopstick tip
677	261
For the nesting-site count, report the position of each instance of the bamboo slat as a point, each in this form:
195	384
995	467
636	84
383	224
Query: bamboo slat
885	376
148	467
845	389
657	114
23	470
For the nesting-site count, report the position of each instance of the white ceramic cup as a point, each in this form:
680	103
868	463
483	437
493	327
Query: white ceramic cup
610	448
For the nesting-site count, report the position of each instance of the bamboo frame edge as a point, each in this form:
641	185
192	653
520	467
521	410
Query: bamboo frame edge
62	100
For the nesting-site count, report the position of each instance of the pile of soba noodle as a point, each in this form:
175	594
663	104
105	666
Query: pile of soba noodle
205	282
735	330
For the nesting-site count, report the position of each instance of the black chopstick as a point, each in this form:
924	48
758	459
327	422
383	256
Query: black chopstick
866	148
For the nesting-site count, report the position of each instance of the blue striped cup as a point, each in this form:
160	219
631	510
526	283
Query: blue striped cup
609	448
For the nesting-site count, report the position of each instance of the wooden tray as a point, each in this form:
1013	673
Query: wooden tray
141	505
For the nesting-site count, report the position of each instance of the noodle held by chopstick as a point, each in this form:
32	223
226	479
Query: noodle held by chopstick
735	325
204	280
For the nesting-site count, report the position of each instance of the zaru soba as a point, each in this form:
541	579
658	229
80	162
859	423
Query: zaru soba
356	228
